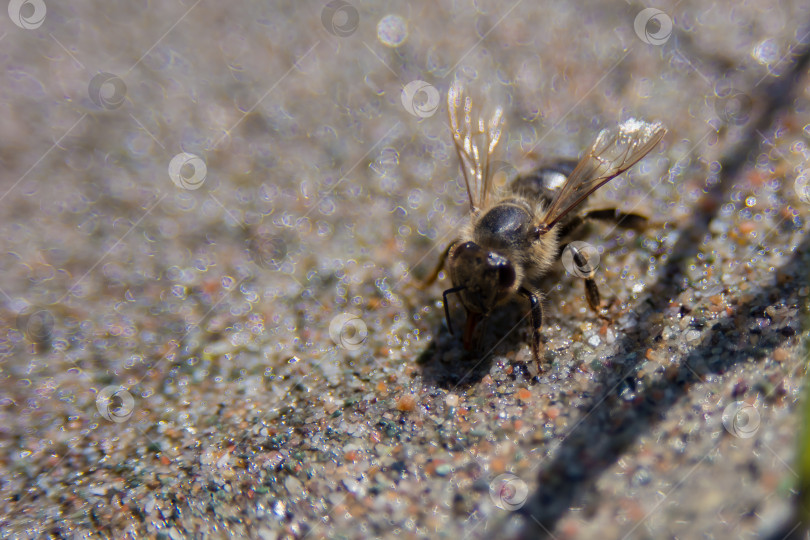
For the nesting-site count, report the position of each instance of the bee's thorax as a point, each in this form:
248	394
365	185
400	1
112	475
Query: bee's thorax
505	225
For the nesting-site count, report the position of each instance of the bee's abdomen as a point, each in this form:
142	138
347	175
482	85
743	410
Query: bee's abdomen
545	182
504	225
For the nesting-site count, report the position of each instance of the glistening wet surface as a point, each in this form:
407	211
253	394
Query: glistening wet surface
214	216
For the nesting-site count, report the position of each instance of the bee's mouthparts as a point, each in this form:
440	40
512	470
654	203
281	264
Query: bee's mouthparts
469	329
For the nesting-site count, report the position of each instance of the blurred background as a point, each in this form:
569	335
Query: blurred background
214	214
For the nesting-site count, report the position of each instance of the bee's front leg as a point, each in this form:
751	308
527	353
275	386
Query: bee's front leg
428	281
537	323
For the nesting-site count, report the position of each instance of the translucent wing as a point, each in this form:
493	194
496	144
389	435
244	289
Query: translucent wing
614	151
475	141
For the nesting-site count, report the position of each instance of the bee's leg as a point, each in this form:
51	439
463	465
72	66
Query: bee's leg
439	266
591	289
593	296
537	323
621	219
570	225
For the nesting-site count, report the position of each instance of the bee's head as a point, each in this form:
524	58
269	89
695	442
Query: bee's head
487	277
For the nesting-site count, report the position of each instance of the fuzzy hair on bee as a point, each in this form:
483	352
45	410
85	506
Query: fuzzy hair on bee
516	235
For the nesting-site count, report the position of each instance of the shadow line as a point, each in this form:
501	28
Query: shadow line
610	426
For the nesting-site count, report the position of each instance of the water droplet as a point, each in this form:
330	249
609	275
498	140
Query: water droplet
767	52
392	30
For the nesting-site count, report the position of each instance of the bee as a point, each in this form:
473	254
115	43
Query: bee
515	235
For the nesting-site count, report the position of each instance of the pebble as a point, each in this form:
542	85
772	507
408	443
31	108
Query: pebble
406	403
444	469
353	486
294	486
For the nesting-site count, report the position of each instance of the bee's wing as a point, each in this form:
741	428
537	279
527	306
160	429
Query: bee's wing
614	151
475	141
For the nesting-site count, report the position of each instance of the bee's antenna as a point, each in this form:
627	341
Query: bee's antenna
447	309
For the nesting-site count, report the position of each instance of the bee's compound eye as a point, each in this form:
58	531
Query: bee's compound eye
506	276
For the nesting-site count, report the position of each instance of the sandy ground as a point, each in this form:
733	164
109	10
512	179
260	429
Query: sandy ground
213	215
